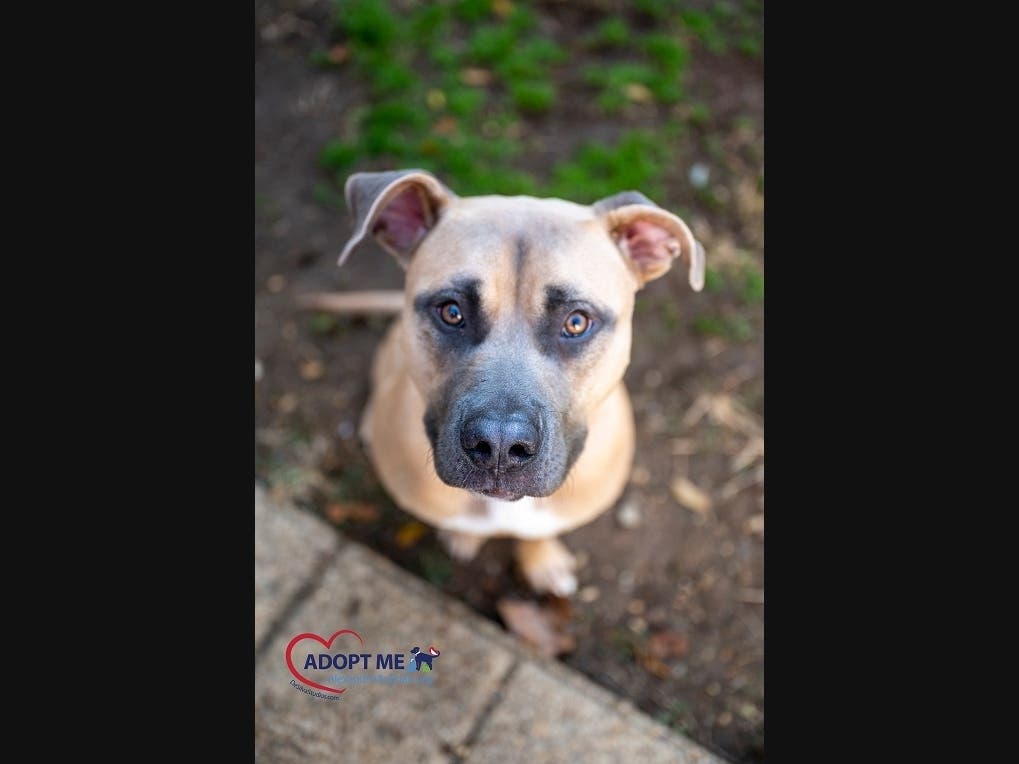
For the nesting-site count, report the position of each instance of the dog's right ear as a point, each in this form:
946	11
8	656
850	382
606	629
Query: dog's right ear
398	208
650	237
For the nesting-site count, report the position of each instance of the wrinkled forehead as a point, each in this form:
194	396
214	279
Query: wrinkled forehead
517	248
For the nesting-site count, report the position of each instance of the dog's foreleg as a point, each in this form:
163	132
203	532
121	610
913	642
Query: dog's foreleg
462	547
548	566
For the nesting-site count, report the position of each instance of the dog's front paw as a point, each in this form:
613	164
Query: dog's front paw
548	566
462	547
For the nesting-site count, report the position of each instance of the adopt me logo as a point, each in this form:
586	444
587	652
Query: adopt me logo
327	667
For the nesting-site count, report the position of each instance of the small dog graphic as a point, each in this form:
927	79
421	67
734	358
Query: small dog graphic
419	657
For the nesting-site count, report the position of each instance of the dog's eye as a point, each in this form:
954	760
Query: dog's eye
451	314
576	324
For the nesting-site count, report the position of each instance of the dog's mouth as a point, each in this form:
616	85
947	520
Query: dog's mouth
511	486
502	494
501	451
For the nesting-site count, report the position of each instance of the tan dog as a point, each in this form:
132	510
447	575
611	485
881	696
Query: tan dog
498	406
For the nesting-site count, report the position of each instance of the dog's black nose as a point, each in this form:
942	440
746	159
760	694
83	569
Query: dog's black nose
505	442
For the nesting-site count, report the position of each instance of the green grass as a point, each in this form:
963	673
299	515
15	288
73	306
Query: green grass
321	59
428	23
750	46
659	70
702	25
670	315
722	27
700	114
657	9
338	155
322	324
735	328
600	170
533	97
420	109
491	44
367	23
713	280
611	33
675	715
521	19
420	112
435	566
727	26
531	60
752	290
394	78
624	642
612	80
667	52
328	196
464	101
742	282
471	10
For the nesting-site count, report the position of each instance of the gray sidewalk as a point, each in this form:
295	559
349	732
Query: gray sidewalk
492	700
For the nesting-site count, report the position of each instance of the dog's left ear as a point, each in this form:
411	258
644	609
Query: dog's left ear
650	237
398	208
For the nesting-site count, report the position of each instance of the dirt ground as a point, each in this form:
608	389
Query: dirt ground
670	609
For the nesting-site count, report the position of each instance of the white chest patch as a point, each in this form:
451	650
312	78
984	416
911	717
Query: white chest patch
492	517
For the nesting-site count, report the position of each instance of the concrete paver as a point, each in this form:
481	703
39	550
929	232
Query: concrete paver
491	699
290	546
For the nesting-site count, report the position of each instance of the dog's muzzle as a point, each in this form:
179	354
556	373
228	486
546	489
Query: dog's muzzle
498	445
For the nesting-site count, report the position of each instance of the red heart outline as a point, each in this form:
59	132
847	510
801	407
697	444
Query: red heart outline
324	643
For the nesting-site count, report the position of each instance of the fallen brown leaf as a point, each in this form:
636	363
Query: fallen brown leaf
541	626
638	93
654	666
742	482
714	346
338	54
358	511
726	411
660	648
682	446
754	596
729	412
690	496
751	452
755	525
312	370
640	475
445	126
502	8
696	411
668	644
475	76
739	376
435	99
409	534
